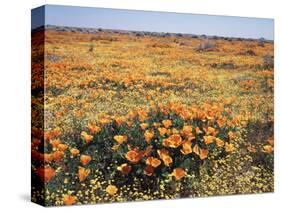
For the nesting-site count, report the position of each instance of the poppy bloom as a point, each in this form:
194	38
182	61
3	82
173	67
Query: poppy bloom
208	139
196	150
173	141
133	156
162	131
142	115
154	162
210	131
197	130
148	170
186	148
268	149
148	135
111	190
86	137
120	138
62	147
69	199
57	155
220	122
270	141
203	154
46	174
143	126
187	131
55	143
124	168
178	173
94	129
219	142
167	123
231	135
48	157
74	151
164	155
83	173
229	147
85	159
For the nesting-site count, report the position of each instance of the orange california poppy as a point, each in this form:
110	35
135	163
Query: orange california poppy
203	154
148	135
178	173
62	147
162	131
164	155
173	141
69	199
55	143
196	149
154	162
210	131
57	155
85	159
48	157
88	138
74	151
208	139
268	148
133	156
231	135
186	148
167	123
120	138
143	126
219	142
46	174
148	170
187	131
83	173
94	129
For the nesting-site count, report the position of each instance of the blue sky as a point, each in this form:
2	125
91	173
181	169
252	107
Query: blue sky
155	21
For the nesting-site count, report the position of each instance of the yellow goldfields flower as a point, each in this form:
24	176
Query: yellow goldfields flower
111	190
229	147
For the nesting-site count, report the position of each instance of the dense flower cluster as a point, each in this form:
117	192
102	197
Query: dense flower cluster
120	118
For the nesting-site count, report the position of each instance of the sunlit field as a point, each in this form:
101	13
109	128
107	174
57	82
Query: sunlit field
124	116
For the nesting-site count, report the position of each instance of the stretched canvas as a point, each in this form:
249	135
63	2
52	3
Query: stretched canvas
134	105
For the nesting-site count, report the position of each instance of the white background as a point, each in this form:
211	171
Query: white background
15	104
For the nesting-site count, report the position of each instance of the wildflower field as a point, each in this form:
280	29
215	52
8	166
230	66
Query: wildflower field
127	116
